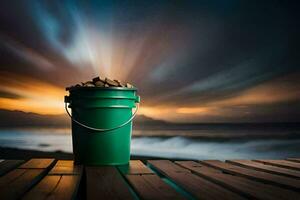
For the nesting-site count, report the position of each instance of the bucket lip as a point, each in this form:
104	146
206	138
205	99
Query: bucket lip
103	88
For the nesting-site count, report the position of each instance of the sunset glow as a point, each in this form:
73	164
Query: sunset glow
31	95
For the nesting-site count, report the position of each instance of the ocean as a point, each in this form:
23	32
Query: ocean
194	142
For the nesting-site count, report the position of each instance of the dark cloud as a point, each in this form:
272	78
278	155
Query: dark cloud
5	94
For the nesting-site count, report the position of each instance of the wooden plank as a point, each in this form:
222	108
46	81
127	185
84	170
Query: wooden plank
62	187
199	187
37	163
281	163
146	183
248	188
16	182
10	177
266	168
106	183
264	177
62	182
66	167
66	188
7	165
150	187
294	160
135	167
43	188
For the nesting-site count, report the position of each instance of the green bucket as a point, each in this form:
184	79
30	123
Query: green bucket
102	124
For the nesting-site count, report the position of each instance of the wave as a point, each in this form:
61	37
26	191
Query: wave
223	134
187	148
164	144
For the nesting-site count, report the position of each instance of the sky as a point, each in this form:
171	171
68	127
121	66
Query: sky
192	61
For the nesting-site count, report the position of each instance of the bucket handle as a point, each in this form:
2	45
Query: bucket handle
99	129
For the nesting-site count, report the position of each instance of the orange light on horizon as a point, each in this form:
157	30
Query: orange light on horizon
49	107
192	110
173	113
35	96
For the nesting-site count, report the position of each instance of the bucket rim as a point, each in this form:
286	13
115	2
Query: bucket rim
103	88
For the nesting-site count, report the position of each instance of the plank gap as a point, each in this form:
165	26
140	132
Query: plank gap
198	187
264	177
55	187
8	165
265	168
106	182
172	183
131	189
245	187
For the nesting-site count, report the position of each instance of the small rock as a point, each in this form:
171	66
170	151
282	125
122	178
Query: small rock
96	79
120	84
106	85
111	82
128	85
89	84
99	84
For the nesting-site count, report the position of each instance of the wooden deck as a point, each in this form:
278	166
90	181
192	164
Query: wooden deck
152	179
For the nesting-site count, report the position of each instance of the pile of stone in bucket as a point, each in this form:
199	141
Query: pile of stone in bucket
102	82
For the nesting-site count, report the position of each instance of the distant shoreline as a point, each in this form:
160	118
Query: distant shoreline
228	137
173	126
25	154
20	119
7	153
